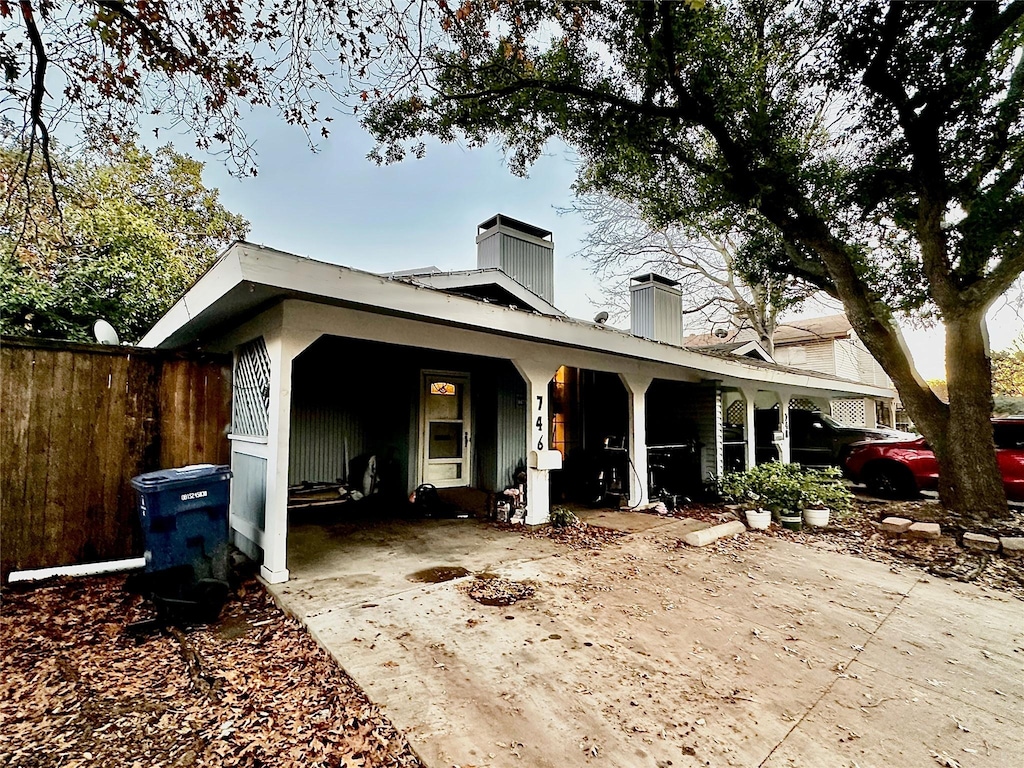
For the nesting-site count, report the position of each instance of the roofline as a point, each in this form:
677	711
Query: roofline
323	282
457	279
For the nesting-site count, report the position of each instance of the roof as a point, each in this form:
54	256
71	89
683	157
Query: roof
491	285
789	332
812	329
248	279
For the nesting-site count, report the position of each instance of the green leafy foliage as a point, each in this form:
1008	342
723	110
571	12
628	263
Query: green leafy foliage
136	228
562	517
1008	371
787	488
871	150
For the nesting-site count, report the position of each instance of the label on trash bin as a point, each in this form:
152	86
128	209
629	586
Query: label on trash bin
194	495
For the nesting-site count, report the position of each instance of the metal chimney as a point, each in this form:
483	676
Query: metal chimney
523	252
655	308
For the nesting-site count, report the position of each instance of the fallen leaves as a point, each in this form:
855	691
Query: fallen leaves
76	689
496	591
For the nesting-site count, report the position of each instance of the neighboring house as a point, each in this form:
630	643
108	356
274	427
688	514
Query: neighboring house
828	345
464	379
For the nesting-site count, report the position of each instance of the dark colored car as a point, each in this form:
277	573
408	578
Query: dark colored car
815	438
904	468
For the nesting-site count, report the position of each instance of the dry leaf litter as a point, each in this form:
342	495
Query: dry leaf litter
254	689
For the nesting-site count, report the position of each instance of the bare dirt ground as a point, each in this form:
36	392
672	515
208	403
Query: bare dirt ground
636	650
611	644
858	534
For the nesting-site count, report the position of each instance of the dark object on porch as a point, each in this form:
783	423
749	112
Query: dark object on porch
609	482
362	474
674	472
426	502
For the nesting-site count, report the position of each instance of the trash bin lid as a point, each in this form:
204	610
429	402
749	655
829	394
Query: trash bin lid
166	478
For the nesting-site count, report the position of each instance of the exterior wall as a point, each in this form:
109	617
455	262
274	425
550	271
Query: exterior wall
707	403
351	397
848	359
248	500
510	427
817	356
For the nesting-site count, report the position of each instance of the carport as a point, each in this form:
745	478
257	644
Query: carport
757	651
332	362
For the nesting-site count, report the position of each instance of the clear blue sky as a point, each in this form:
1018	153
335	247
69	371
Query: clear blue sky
338	206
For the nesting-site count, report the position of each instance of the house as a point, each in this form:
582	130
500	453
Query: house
827	345
462	379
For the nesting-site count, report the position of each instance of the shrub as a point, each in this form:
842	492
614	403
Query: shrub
562	518
787	488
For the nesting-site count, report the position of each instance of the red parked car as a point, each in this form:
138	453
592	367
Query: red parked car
903	468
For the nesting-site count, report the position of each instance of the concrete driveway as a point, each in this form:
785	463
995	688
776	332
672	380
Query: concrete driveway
750	652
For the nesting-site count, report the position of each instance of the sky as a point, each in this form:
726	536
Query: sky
337	206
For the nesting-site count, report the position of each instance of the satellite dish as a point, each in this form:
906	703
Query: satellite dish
104	332
601	318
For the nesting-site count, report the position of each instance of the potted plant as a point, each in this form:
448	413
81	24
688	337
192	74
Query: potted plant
758	519
787	490
773	488
824	493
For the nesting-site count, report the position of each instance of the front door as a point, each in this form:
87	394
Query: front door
445	429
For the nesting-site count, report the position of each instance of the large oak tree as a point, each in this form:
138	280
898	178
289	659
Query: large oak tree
881	141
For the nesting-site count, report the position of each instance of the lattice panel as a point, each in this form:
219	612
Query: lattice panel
736	413
849	412
798	404
251	401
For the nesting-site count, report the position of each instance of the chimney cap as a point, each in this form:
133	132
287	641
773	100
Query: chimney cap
501	219
652	277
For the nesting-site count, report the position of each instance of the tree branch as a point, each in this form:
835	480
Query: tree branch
38	91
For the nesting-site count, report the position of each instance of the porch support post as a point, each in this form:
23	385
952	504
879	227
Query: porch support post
749	396
782	396
636	387
892	413
537	376
282	347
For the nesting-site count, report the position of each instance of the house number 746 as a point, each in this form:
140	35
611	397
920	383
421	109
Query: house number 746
540	423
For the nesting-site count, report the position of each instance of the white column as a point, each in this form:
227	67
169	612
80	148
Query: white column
782	397
749	396
537	376
636	389
283	347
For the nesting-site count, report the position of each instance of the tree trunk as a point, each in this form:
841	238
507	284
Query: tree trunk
969	479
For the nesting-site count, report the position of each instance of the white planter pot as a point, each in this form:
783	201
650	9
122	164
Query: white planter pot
816	518
758	519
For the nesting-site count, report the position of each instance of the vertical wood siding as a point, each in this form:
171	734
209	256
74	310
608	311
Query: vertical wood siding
77	422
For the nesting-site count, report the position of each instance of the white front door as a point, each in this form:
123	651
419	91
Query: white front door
445	429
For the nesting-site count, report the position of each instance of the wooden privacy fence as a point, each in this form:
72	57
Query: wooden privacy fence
77	422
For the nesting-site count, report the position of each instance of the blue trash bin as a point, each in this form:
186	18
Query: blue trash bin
184	516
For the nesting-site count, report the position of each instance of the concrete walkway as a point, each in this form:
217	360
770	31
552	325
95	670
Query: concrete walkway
750	652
